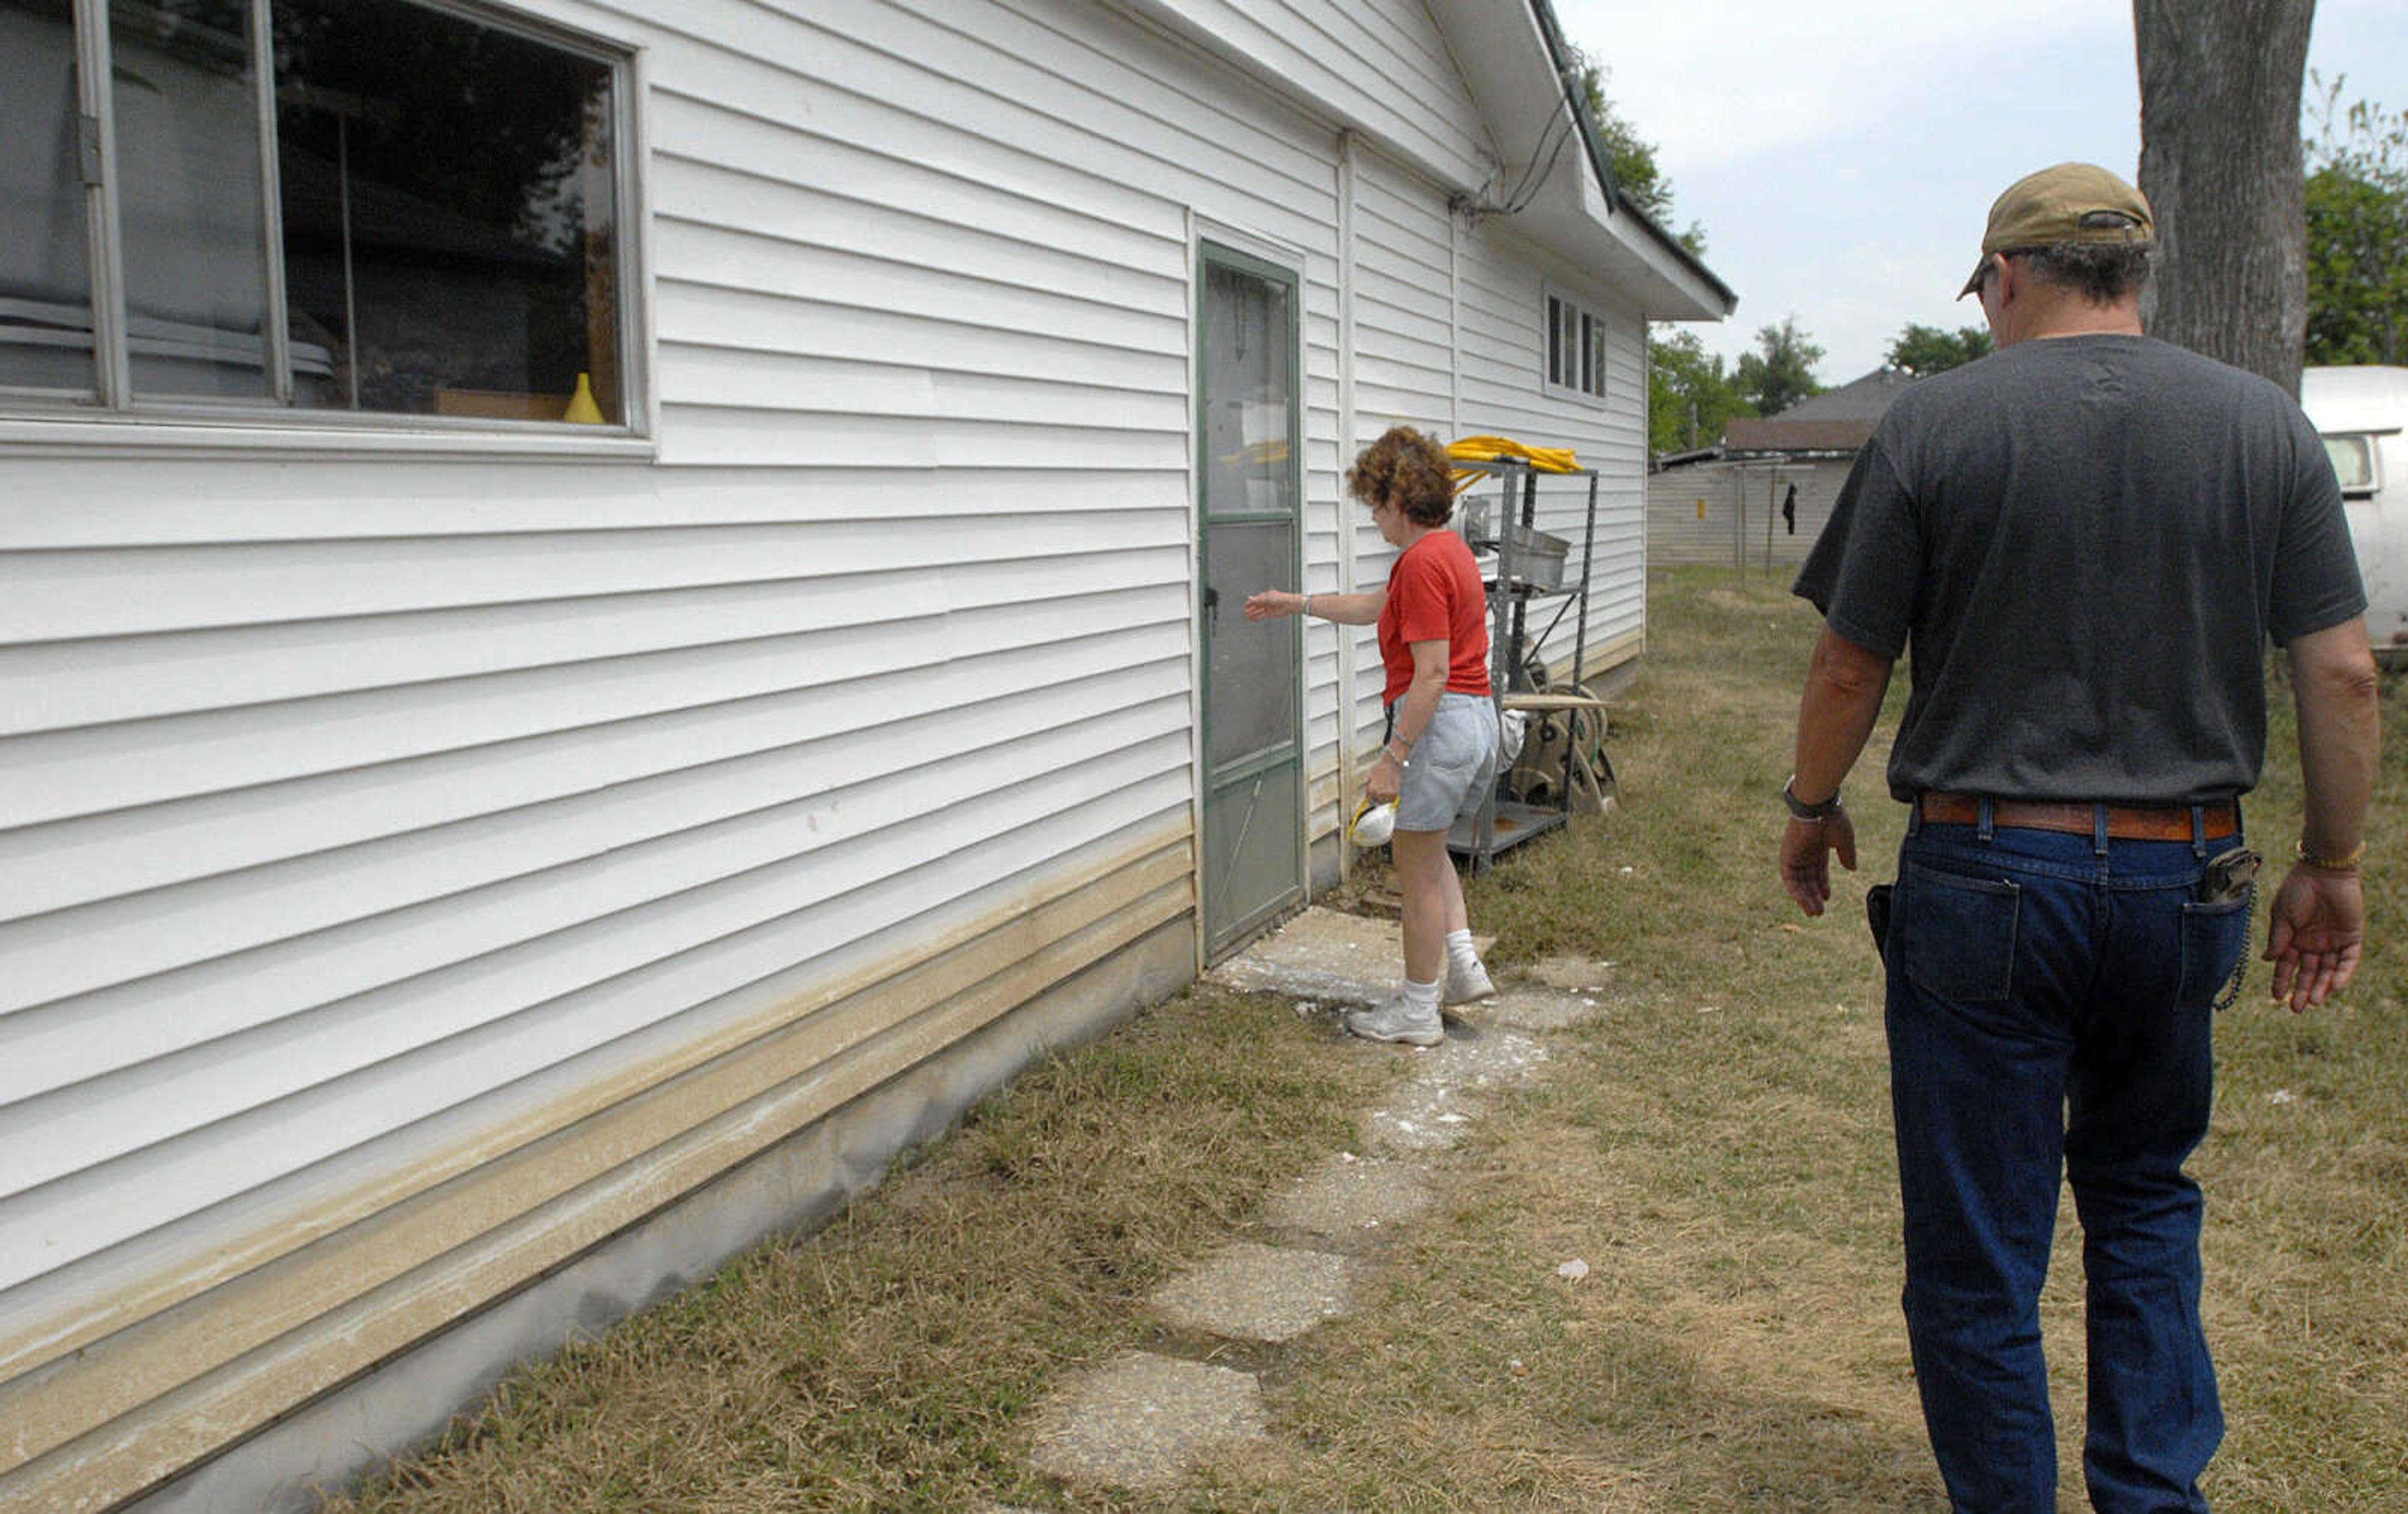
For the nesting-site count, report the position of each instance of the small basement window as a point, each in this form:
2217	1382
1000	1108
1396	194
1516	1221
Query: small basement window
2353	461
1575	348
371	207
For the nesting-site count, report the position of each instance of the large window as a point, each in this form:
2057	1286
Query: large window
381	206
1575	348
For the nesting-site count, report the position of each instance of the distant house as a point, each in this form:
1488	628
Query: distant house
614	610
1724	503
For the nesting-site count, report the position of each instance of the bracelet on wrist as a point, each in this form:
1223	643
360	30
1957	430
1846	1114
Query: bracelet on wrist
1800	809
2347	863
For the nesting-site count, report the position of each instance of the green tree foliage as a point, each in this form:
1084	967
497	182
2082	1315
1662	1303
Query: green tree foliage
2358	231
1921	349
1690	396
1780	371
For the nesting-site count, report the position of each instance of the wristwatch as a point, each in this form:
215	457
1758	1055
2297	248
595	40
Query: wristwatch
1800	809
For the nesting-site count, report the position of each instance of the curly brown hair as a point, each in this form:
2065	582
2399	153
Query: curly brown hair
1410	469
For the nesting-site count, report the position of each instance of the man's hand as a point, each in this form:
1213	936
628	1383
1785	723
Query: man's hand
1844	684
1806	848
2315	931
2317	924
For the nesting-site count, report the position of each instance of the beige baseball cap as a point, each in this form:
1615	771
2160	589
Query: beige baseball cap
2073	202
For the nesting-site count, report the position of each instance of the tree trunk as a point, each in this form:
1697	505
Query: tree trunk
2220	162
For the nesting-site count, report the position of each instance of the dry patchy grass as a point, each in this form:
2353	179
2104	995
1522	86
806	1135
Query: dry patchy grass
892	1360
1717	1150
1715	1147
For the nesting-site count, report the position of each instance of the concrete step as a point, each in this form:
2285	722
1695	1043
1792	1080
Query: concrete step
1144	1421
1249	1291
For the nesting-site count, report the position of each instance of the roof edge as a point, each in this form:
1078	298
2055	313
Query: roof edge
1601	159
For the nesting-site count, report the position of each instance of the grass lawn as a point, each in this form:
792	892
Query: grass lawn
1715	1147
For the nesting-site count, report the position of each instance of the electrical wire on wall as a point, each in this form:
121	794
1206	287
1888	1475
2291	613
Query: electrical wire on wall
1526	188
1534	176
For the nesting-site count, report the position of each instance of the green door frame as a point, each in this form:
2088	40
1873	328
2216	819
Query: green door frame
1221	935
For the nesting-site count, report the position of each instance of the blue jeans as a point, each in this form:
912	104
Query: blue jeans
2050	1008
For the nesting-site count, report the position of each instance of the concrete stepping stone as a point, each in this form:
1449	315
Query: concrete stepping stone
1441	1097
1416	1119
1349	1198
1144	1421
1521	1007
1322	955
1573	975
1330	961
1474	1058
1250	1292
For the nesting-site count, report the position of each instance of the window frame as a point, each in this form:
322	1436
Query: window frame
2370	442
112	415
1575	354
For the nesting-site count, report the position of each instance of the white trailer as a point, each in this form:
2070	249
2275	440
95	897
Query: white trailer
2361	412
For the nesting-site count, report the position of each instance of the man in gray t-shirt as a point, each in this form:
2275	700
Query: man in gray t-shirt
2090	593
2082	543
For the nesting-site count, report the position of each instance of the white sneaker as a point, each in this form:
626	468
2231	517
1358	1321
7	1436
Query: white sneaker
1396	1021
1464	984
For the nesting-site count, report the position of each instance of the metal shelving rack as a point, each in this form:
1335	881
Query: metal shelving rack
1503	823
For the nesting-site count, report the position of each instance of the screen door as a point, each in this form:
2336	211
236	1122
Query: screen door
1250	514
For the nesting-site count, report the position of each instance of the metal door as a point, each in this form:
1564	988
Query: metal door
1249	512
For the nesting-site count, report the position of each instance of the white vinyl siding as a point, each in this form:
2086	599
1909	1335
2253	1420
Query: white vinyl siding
1385	64
1404	362
358	814
1506	283
414	870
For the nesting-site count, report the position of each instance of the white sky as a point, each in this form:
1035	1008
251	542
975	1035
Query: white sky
1843	156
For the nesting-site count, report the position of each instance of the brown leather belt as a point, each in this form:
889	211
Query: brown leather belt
2125	822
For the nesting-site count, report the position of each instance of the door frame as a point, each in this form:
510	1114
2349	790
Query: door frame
1210	243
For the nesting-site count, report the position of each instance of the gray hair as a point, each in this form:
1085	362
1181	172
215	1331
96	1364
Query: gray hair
2103	273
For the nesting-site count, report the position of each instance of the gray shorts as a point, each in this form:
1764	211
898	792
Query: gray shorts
1453	766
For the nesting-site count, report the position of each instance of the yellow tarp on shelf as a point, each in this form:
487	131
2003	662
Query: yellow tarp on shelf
1491	449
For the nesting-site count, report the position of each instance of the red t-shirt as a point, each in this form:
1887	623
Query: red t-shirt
1435	595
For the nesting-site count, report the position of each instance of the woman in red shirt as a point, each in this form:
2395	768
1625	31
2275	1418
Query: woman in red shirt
1440	757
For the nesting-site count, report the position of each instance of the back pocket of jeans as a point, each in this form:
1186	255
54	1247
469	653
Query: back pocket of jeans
2213	936
1450	744
1957	934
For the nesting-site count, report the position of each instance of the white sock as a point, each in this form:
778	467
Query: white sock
1422	996
1459	949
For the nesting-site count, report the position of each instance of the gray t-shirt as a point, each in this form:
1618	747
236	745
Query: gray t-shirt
2086	542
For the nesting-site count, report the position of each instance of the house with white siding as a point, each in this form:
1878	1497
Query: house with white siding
614	609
